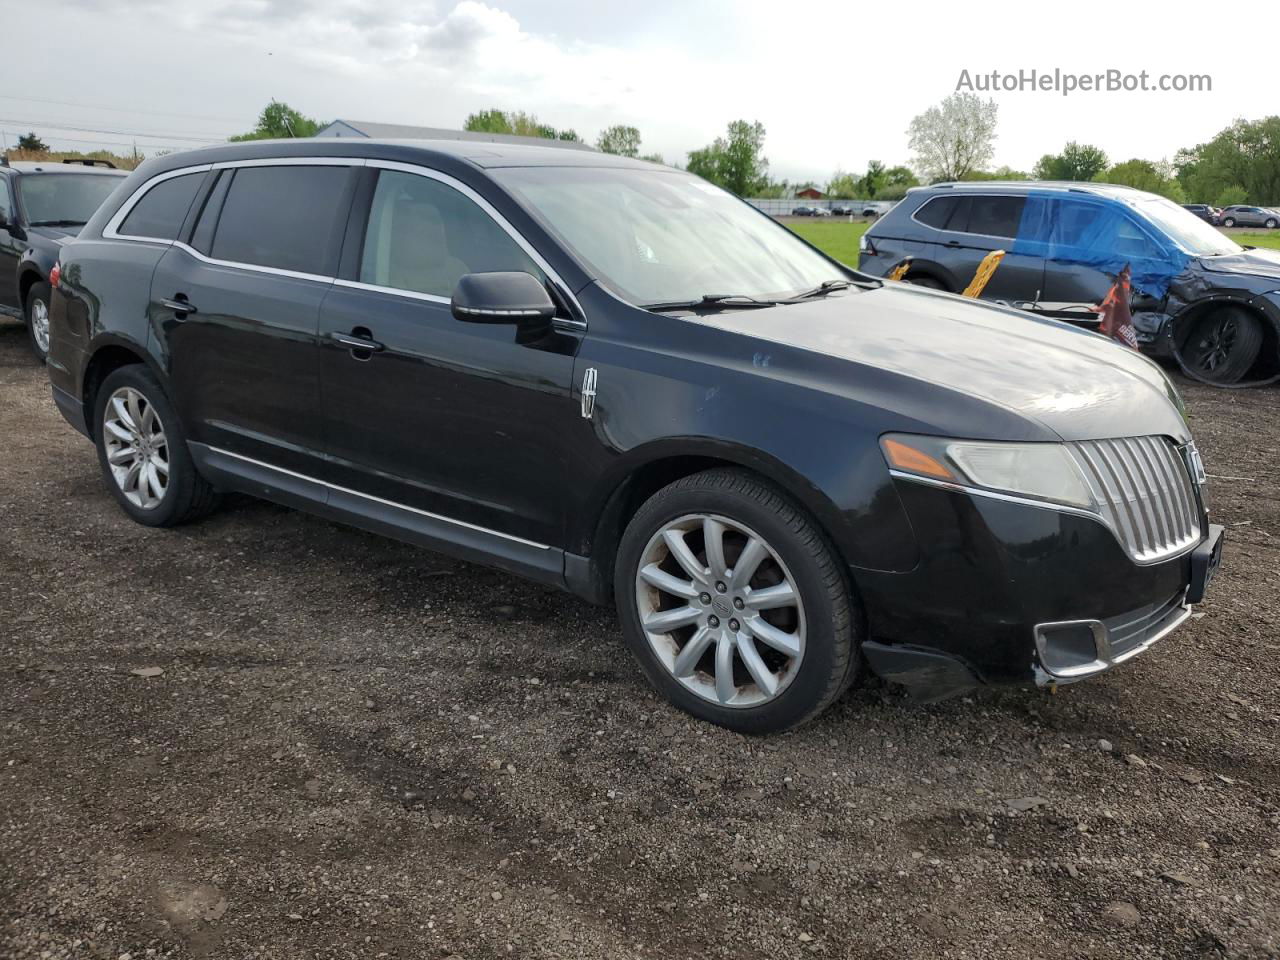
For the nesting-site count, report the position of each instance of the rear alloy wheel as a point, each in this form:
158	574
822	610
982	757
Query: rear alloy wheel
37	309
142	449
734	605
1223	345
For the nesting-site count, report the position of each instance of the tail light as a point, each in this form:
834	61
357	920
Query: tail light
865	245
55	275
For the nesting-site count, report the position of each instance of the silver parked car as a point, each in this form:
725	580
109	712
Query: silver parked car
1244	216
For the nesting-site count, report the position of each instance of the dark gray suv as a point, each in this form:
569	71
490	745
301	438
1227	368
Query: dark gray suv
1198	296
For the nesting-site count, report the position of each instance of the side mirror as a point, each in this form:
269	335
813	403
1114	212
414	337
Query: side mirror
501	298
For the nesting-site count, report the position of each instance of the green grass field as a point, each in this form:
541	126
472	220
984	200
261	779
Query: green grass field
836	238
839	238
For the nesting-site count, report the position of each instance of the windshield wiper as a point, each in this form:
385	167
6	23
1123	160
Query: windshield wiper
58	223
727	301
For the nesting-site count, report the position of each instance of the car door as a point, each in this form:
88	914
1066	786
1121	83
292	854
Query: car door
236	307
979	224
10	248
464	421
1091	240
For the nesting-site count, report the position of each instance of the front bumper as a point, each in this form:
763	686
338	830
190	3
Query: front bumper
1007	592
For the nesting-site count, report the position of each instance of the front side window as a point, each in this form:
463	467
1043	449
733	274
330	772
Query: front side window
286	217
424	236
1188	232
64	199
160	212
658	236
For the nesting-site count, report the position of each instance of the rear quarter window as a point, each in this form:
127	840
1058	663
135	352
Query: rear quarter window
162	209
936	212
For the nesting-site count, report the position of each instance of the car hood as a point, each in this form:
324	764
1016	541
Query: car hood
1252	263
1070	382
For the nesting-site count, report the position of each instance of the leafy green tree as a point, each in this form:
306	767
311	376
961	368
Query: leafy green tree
653	158
735	161
872	181
999	173
29	141
842	186
517	123
1077	161
899	177
1145	175
1231	196
955	137
1246	155
619	139
279	121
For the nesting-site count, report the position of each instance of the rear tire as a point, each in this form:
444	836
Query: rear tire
759	638
36	314
142	449
1223	345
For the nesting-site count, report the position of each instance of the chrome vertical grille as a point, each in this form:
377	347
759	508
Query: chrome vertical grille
1146	494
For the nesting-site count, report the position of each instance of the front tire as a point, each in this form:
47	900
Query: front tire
734	604
142	449
37	318
1229	222
1270	224
1223	345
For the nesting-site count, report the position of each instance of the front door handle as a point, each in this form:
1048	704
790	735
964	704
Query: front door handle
359	341
179	304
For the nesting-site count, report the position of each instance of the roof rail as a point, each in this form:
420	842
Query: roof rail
89	162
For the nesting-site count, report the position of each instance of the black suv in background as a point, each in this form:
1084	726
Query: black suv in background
613	377
1205	212
1198	296
41	206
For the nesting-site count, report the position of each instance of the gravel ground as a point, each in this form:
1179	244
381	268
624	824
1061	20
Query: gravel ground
270	736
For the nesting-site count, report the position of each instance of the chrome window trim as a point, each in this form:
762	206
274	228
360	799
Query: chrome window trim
255	267
386	503
111	232
1043	505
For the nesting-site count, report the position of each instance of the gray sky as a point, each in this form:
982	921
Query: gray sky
835	84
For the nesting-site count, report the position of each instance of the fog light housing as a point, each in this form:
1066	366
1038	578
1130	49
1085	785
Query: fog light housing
1073	648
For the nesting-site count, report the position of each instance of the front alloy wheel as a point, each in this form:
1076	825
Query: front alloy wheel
136	447
735	605
720	610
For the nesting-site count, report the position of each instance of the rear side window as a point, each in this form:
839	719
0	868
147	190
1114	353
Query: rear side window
423	236
994	216
281	216
160	212
6	205
937	212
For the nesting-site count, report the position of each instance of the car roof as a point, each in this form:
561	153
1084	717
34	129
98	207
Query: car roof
26	167
1060	186
481	153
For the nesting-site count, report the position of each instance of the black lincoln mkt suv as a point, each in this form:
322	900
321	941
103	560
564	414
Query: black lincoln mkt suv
613	377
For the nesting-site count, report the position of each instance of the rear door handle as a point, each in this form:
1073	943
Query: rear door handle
179	304
361	341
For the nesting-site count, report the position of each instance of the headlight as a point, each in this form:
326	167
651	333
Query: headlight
1042	471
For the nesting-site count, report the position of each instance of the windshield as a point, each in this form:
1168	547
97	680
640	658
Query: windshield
1188	231
661	236
64	198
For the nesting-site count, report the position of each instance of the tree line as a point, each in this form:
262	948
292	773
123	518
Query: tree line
954	140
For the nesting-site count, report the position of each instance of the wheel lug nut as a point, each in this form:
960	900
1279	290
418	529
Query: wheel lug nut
734	625
705	598
737	603
713	621
720	587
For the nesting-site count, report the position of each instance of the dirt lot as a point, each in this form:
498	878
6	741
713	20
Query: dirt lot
358	749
